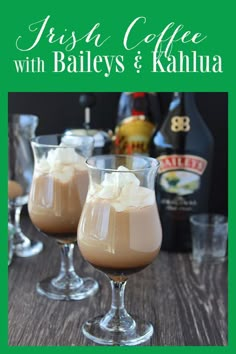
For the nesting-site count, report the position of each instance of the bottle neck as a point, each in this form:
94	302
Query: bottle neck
183	101
138	107
133	104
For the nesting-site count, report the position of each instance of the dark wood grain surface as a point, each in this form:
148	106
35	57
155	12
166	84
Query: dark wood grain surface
187	305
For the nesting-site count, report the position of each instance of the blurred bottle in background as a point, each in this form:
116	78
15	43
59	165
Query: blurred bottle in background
184	146
138	114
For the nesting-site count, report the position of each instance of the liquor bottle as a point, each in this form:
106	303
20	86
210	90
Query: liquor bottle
184	147
138	113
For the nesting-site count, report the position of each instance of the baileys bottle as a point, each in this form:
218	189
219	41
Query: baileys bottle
184	147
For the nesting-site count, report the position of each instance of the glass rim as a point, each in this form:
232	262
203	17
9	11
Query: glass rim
198	219
38	144
13	117
147	158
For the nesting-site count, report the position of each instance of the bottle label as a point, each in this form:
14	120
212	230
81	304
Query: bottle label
133	135
181	174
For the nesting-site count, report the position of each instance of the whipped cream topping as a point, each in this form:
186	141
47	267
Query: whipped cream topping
61	163
122	190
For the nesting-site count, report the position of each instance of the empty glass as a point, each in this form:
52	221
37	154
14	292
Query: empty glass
57	196
120	234
21	128
209	237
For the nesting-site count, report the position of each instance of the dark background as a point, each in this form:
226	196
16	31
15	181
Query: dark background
60	111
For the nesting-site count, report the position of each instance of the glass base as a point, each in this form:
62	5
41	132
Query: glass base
141	333
86	287
28	249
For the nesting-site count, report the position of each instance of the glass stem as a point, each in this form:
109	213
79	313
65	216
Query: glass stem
19	237
118	295
67	276
117	319
17	217
67	265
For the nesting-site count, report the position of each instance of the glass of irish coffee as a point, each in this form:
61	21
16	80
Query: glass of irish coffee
58	192
120	234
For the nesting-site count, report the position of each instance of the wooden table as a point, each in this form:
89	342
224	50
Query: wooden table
187	306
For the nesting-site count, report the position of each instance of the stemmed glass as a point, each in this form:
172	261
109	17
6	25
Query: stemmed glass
21	129
120	234
58	193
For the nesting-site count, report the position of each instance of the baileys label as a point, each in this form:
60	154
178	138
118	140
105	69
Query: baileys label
180	174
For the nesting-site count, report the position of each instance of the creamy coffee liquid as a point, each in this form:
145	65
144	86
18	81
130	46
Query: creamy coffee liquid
58	193
119	230
119	240
55	206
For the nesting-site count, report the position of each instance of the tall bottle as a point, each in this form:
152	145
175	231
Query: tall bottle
184	147
138	113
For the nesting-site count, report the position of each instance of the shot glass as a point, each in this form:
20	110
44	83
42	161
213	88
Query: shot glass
209	237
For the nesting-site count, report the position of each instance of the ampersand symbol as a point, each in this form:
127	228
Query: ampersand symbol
137	59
